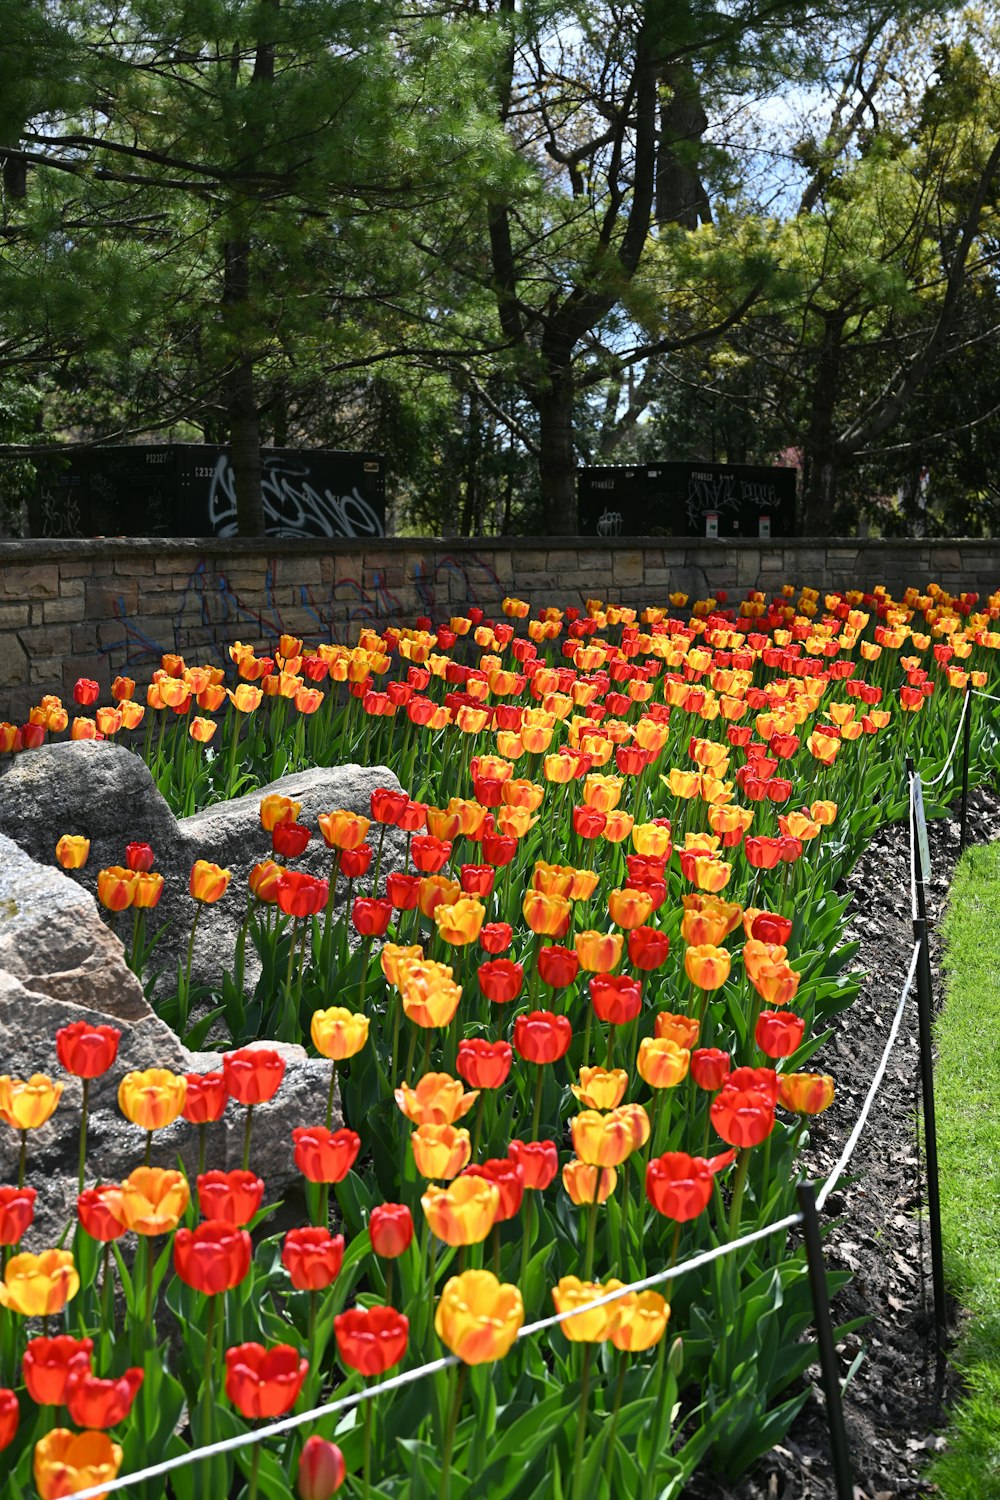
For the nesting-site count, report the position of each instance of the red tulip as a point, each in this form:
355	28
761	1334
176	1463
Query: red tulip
588	822
212	1258
9	1416
501	980
289	840
17	1210
264	1382
429	854
709	1068
324	1155
321	1469
538	1160
496	937
558	966
312	1257
508	1176
390	1226
541	1037
49	1363
387	805
355	862
371	917
477	880
253	1074
616	997
648	947
205	1099
301	895
499	849
768	927
743	1117
85	691
139	857
93	1402
96	1209
87	1050
762	853
402	890
232	1197
678	1185
779	1033
371	1340
483	1065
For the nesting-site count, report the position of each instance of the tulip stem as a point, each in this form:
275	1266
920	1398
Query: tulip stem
202	1134
537	1111
246	1138
150	1258
588	1257
149	1148
411	1052
613	1425
22	1161
254	1472
330	1096
184	998
586	1036
366	953
83	1133
526	1239
208	1400
367	1470
738	1186
581	1430
458	1390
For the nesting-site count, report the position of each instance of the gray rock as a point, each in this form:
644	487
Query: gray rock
59	963
107	793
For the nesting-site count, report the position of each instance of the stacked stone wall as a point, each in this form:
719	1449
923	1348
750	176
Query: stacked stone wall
99	607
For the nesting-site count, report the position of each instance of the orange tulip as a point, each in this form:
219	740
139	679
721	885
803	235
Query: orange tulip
25	1104
152	1099
587	1327
460	922
682	1030
153	1200
438	1099
546	915
440	1151
588	1184
343	830
707	966
707	919
599	952
629	908
805	1093
208	882
662	1063
66	1461
462	1213
601	1088
116	887
72	851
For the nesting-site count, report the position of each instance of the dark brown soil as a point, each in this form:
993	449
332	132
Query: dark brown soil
894	1407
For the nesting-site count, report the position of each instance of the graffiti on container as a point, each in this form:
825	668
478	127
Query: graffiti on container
610	523
293	505
725	492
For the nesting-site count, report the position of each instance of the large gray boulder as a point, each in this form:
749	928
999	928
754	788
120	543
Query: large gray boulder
107	793
59	963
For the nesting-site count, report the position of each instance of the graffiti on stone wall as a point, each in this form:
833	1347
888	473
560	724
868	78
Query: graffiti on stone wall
208	603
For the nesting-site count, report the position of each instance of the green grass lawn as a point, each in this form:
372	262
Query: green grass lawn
968	1115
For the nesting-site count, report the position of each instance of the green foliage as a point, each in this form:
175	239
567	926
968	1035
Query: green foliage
966	1083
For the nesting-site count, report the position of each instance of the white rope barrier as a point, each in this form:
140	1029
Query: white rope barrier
954	744
876	1083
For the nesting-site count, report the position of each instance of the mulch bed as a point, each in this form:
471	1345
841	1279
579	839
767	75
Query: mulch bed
893	1410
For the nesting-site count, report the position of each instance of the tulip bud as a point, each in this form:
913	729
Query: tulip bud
321	1469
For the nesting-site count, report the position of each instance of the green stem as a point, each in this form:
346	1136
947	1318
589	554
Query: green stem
537	1110
149	1149
588	1255
254	1472
526	1238
184	999
738	1187
83	1133
613	1425
581	1430
246	1138
458	1389
22	1160
330	1096
366	1472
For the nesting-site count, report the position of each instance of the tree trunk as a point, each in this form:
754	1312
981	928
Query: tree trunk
557	458
241	406
823	458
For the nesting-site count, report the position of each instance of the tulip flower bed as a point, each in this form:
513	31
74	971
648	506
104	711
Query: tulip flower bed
571	1038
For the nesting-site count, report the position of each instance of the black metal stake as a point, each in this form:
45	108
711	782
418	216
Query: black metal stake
966	753
842	1474
925	1007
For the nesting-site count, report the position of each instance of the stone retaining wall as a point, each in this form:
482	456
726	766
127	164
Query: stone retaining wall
97	607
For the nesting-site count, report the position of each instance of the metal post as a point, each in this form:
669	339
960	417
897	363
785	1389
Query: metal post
966	753
843	1477
925	1006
